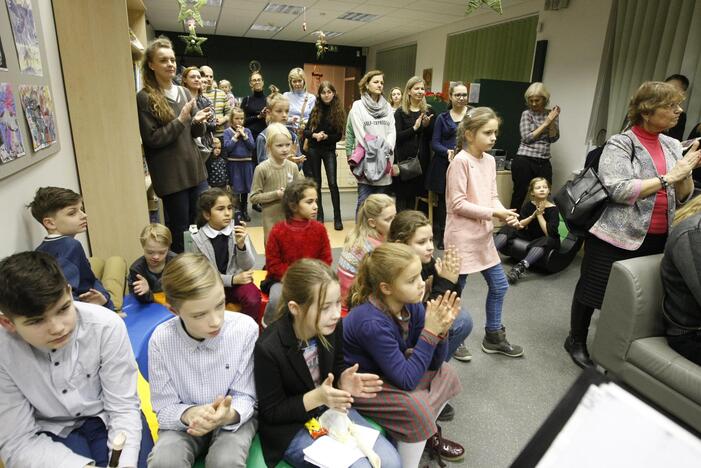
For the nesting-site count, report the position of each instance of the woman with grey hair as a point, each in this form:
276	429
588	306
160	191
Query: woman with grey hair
539	128
647	177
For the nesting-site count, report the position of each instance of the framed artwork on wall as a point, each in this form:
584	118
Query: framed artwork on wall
28	126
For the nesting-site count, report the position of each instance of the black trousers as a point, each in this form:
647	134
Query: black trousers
328	156
523	170
180	210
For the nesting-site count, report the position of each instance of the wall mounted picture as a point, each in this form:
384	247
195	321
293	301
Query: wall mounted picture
11	146
3	58
25	33
39	112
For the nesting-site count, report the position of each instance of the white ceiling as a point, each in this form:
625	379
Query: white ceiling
397	18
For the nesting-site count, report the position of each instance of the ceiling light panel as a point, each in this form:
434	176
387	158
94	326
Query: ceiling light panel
266	27
355	16
283	9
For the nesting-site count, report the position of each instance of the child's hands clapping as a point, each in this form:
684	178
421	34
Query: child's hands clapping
449	266
358	384
333	397
441	312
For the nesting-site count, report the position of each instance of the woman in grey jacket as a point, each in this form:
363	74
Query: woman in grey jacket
647	177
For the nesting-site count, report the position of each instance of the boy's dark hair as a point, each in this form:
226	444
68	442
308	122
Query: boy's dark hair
681	78
30	283
48	200
293	194
207	200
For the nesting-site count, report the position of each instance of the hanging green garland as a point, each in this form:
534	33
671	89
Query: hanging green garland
190	15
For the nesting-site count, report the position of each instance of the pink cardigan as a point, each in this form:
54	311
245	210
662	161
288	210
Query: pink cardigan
470	198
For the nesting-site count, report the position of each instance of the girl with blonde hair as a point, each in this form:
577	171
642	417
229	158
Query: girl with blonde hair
371	227
168	122
389	332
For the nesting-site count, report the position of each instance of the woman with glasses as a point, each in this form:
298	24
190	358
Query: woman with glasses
443	144
539	128
647	177
253	106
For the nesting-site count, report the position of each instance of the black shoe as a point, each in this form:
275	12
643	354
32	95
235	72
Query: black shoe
578	352
257	207
245	217
338	224
447	414
516	272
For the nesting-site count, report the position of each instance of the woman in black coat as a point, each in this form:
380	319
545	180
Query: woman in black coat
414	124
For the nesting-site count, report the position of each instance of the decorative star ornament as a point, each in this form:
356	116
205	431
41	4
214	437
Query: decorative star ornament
473	5
191	9
193	43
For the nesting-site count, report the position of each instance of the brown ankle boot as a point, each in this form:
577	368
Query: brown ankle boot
444	449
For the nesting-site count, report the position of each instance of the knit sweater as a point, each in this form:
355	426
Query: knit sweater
374	340
268	177
172	157
471	198
293	239
75	266
220	102
350	259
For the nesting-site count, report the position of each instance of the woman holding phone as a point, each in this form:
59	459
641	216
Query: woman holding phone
414	124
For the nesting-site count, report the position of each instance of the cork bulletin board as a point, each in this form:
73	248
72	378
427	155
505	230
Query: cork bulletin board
28	130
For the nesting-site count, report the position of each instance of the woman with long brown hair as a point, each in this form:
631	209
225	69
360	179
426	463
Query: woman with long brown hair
169	121
324	130
191	79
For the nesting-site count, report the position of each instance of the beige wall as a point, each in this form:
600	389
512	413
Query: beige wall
575	44
20	231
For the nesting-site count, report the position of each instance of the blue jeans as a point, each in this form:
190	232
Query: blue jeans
294	454
90	441
462	326
365	190
498	285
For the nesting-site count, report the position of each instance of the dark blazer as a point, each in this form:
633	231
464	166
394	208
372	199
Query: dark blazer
282	379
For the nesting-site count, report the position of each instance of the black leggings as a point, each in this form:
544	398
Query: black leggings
180	211
328	156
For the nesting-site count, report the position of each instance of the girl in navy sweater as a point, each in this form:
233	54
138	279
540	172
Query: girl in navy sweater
299	370
389	332
238	151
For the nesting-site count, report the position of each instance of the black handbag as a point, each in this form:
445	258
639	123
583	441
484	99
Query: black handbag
410	168
582	200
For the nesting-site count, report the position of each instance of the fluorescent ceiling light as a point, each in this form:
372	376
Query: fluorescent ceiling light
355	16
214	2
265	27
284	9
331	34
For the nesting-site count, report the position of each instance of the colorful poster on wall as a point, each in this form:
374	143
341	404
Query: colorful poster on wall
3	58
11	146
25	33
39	112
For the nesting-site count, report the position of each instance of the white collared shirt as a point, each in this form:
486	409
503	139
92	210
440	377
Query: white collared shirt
186	372
93	375
212	233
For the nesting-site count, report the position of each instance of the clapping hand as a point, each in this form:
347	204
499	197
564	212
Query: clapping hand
449	266
219	413
553	114
360	385
186	111
441	312
683	168
333	397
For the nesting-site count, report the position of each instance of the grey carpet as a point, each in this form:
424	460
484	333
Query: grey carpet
505	400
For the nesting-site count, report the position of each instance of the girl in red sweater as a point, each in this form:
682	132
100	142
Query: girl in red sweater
299	236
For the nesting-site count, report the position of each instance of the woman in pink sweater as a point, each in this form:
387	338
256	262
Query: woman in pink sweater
471	202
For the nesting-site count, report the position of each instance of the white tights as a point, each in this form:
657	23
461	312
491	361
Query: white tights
410	453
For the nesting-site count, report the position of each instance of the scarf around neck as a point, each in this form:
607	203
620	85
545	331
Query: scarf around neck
377	109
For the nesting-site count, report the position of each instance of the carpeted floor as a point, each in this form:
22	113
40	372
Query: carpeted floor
503	400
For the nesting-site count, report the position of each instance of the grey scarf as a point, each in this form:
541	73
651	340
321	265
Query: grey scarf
378	109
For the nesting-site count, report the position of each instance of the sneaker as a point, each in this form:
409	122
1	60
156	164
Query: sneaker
462	353
447	414
516	272
496	343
